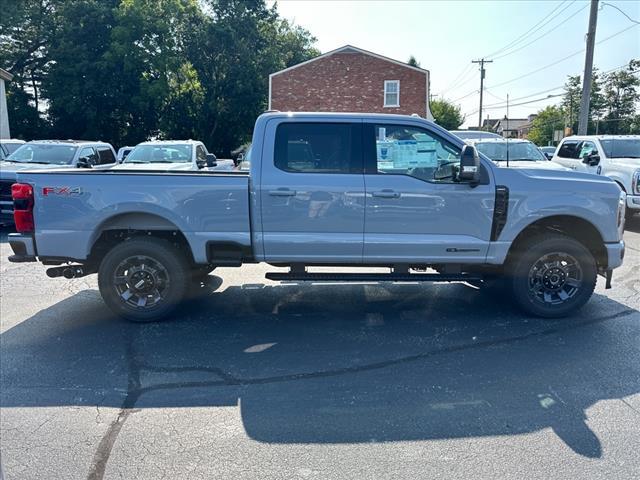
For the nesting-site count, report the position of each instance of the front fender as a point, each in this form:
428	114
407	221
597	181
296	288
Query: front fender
526	210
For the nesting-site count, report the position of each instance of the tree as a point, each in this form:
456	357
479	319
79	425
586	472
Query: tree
446	114
233	51
26	30
112	65
572	98
128	70
621	93
413	62
546	122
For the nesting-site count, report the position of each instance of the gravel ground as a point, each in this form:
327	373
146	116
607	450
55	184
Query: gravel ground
256	379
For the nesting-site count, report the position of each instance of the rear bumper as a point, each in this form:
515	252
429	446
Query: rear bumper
633	202
23	246
615	254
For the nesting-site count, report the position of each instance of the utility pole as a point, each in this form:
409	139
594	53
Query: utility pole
583	121
482	61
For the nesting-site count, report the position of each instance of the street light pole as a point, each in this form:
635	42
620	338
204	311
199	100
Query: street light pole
583	121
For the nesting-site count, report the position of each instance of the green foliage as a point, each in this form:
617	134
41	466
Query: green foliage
128	70
612	105
446	114
621	93
26	29
573	96
413	62
546	122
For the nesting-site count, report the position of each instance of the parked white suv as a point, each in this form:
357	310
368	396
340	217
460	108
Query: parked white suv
614	156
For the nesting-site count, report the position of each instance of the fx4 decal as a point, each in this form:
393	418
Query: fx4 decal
61	191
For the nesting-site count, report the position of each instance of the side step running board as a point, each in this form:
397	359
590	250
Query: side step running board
371	277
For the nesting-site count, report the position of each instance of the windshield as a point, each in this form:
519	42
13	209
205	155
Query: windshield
42	153
497	151
473	134
621	147
9	148
165	153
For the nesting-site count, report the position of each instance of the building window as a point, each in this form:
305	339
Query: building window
392	93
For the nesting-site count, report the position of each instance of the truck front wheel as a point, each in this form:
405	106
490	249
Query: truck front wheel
143	280
552	276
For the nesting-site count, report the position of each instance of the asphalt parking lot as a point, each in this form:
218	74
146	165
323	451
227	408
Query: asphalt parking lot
255	379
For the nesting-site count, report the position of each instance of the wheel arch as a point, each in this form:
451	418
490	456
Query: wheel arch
577	228
122	226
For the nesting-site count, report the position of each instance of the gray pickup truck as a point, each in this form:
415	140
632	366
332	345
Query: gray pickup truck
342	190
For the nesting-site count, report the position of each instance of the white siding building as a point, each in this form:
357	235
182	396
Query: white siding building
4	114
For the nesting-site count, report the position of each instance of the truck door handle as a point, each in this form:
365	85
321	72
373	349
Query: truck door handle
386	194
282	192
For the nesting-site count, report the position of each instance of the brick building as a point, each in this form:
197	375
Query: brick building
350	79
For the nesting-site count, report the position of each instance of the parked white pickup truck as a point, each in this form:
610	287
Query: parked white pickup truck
617	157
168	156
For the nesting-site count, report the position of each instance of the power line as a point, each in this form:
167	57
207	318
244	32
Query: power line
465	96
526	103
528	32
495	96
545	33
623	13
503	103
468	77
486	107
526	96
561	60
453	85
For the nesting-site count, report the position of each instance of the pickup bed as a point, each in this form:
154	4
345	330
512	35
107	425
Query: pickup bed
352	190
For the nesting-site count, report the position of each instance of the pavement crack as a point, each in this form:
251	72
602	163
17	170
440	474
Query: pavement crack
232	381
630	406
227	378
103	452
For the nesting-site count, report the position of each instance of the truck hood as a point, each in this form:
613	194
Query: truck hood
155	166
544	165
566	181
8	169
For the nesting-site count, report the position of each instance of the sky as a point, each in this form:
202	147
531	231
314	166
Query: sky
445	36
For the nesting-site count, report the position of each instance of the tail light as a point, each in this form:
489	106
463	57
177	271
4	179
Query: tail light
22	194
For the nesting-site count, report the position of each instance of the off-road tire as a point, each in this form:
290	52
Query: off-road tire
147	256
529	281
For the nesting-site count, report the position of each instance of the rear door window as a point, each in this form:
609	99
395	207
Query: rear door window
569	149
89	156
318	148
201	153
105	156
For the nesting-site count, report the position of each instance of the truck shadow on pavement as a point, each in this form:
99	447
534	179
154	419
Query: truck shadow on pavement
633	224
334	363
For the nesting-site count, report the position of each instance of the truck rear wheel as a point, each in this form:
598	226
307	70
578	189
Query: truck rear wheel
552	276
143	280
